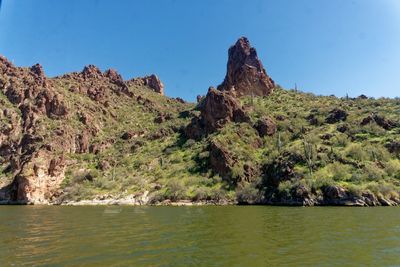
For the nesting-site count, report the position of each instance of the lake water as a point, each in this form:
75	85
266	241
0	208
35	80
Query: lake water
199	236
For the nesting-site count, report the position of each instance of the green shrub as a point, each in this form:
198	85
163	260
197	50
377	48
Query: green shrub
248	193
356	152
372	172
285	188
201	193
392	168
355	190
237	172
175	190
384	189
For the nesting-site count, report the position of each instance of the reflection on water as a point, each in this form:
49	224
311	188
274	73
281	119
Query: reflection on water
193	236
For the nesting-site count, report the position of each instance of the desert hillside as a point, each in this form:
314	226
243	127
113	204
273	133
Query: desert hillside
91	135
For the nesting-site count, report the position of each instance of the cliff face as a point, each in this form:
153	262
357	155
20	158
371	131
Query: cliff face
46	121
245	73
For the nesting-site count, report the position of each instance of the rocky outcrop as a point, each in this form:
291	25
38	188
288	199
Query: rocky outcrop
39	179
265	127
35	158
20	84
393	146
152	81
216	110
336	115
221	161
96	85
379	120
312	119
245	73
219	108
91	72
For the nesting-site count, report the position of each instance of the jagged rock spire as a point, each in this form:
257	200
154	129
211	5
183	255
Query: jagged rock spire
245	73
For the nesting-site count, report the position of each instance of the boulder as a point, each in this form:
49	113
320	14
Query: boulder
56	107
245	73
38	73
342	128
151	81
379	120
393	146
221	161
333	193
128	135
216	110
219	108
91	72
82	142
114	76
265	126
312	119
336	115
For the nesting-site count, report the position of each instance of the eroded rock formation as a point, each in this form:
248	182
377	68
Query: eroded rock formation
379	120
245	73
33	155
216	110
152	81
265	126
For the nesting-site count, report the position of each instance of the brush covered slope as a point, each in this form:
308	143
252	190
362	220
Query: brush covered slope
92	135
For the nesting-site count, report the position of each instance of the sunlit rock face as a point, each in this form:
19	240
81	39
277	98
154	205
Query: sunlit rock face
245	73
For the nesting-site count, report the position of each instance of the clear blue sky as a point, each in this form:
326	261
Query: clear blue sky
326	47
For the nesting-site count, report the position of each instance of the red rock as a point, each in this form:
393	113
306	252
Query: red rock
82	142
265	126
216	110
245	73
219	108
152	81
91	72
113	75
221	161
38	73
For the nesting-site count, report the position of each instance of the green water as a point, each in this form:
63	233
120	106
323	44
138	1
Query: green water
199	236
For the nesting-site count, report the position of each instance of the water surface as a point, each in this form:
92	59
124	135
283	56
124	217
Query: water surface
199	236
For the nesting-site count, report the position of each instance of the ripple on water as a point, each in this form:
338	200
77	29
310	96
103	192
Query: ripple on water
193	236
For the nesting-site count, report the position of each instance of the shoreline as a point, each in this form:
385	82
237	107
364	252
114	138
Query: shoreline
181	203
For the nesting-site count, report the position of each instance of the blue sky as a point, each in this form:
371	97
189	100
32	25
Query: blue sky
327	47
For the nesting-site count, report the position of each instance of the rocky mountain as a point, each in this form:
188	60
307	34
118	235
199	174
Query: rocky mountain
245	73
45	121
93	136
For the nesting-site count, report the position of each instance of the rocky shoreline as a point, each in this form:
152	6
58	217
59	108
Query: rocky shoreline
145	201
